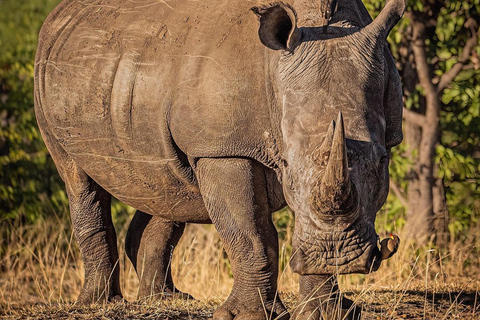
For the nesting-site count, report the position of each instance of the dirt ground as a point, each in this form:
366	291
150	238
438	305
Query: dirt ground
378	304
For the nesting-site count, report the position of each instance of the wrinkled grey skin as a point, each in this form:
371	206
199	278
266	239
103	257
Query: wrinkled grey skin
221	112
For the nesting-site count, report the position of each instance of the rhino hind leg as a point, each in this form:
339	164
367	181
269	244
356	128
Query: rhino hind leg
235	195
320	299
96	237
149	245
95	234
91	220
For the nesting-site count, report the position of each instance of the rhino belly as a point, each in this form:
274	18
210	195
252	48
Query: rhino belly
150	185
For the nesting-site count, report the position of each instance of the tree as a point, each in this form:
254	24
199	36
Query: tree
437	49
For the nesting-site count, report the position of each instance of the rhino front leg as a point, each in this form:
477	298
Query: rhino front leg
320	299
149	245
234	192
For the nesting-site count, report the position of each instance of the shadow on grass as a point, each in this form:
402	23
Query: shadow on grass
418	304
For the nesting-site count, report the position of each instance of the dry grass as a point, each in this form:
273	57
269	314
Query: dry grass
42	274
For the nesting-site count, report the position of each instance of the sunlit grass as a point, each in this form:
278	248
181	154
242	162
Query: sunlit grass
42	274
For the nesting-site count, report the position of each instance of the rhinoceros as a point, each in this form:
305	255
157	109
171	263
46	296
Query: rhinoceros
222	112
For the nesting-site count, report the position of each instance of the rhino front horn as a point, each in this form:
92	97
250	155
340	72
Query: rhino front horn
337	193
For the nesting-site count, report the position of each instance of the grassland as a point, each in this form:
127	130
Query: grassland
41	275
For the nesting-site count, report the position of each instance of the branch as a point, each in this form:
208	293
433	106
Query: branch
398	194
414	117
418	48
469	66
448	76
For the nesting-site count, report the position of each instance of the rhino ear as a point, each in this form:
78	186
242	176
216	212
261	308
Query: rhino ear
278	26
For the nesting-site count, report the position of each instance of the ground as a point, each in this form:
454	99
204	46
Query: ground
377	304
41	274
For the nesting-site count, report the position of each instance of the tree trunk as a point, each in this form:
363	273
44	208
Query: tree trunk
420	212
422	136
427	214
417	214
441	217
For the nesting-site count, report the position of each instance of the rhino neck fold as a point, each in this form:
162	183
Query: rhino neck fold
312	13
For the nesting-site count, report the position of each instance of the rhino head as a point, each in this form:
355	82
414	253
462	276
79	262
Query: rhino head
339	96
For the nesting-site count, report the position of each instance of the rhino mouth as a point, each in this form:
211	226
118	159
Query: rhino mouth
353	250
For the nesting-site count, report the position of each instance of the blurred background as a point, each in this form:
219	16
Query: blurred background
434	201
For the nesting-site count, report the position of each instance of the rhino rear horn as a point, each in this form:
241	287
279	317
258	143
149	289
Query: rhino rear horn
388	18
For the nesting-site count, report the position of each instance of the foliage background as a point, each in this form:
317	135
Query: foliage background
31	190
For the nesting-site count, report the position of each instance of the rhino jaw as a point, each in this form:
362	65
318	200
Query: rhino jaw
354	250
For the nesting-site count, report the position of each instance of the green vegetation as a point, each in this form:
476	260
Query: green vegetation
30	187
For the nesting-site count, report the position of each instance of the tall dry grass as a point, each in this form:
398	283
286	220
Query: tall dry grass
41	263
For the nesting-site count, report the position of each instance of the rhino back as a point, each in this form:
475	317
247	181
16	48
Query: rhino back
130	89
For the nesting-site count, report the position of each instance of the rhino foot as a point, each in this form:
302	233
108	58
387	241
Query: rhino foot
230	311
87	298
307	314
176	294
320	299
344	309
166	294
